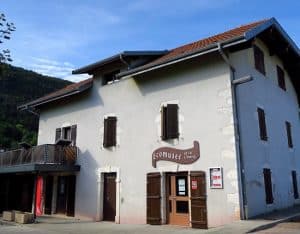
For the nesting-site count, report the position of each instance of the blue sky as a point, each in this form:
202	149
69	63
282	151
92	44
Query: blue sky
54	37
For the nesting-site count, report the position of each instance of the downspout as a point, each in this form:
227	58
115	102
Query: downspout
240	161
33	112
30	110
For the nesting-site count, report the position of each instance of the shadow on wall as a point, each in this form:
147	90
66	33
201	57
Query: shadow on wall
180	74
86	187
80	102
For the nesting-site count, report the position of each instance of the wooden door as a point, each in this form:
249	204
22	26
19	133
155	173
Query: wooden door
178	199
61	195
48	194
71	195
198	200
153	199
109	197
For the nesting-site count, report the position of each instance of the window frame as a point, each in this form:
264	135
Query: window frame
259	60
60	133
268	185
170	121
262	124
295	184
288	128
281	78
109	131
66	133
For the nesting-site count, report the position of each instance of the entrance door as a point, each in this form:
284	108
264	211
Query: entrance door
71	195
109	197
48	195
198	199
61	195
178	199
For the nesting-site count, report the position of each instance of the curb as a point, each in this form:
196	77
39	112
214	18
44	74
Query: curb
274	223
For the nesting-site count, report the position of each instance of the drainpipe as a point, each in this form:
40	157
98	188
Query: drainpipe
30	110
240	162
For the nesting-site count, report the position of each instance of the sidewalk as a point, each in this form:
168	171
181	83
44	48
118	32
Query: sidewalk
62	225
260	222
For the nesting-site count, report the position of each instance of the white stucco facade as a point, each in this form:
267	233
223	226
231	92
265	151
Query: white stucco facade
218	113
202	90
279	106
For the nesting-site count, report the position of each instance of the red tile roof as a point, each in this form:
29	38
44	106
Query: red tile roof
171	55
236	32
80	86
201	44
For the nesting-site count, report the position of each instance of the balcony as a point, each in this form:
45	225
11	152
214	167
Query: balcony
41	158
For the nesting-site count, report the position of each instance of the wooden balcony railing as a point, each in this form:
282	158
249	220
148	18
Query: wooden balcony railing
41	154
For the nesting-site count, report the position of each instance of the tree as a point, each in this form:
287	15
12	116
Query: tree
6	30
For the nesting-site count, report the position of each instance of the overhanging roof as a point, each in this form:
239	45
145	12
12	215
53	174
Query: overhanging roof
118	57
229	38
68	91
35	168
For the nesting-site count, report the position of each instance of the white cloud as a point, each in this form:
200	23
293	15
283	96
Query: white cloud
52	68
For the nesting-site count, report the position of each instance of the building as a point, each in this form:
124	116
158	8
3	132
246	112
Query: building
200	135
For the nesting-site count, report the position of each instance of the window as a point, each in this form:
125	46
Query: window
169	122
110	132
268	186
280	77
289	134
259	60
295	184
66	133
262	124
110	77
181	186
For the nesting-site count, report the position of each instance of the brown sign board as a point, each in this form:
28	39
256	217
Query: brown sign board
182	156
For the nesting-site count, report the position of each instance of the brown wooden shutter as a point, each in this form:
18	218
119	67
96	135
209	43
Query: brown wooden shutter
153	199
295	185
289	134
110	131
259	60
57	134
164	123
268	186
198	199
262	124
73	134
280	77
172	121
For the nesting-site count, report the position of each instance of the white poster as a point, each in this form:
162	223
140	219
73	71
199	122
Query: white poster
216	178
181	186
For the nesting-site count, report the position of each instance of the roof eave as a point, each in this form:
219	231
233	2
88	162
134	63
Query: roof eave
252	33
93	66
35	104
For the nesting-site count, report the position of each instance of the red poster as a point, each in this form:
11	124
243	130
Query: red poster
194	185
38	196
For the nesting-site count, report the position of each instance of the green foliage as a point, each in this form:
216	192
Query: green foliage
18	86
6	30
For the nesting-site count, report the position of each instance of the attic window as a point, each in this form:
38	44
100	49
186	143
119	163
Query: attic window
109	78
